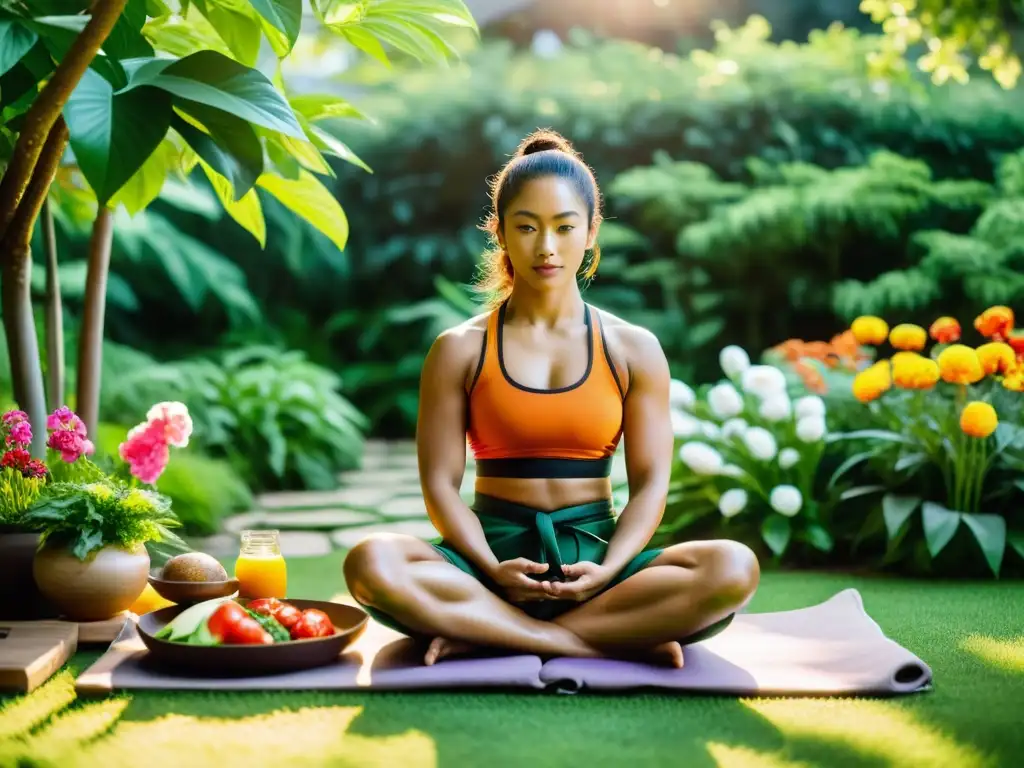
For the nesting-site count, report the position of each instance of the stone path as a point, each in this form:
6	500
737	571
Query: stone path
383	495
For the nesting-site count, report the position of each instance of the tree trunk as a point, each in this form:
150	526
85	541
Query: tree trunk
19	323
54	315
46	109
90	341
23	343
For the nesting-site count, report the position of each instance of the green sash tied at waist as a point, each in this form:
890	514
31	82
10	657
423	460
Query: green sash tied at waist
560	537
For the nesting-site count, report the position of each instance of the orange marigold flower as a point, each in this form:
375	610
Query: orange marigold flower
995	322
978	419
872	382
959	364
871	330
908	336
1016	342
996	357
912	371
812	378
945	330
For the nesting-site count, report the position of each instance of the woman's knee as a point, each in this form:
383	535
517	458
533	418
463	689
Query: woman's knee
372	567
731	573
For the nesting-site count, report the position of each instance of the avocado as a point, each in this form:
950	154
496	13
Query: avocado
194	566
190	620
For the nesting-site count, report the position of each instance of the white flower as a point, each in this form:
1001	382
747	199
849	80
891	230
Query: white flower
776	407
809	405
725	401
733	428
763	381
810	429
788	457
760	442
683	424
701	458
710	430
732	502
786	500
734	360
177	421
730	470
680	395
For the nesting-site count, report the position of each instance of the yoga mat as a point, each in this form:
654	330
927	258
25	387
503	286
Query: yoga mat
833	648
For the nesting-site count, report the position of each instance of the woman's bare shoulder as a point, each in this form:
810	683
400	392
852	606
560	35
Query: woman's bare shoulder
458	349
637	347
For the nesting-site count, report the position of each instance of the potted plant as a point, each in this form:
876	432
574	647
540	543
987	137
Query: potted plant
22	480
94	526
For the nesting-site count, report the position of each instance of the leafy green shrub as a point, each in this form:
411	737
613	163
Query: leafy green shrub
278	419
203	490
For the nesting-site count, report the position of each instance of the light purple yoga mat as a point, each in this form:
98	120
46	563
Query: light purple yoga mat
827	649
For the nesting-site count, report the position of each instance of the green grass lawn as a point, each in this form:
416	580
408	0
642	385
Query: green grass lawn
971	634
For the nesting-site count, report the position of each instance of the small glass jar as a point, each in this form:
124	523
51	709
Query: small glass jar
260	568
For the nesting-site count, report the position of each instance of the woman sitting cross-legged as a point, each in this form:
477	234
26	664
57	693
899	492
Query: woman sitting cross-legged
542	388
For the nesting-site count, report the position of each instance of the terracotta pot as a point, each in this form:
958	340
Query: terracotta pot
107	582
20	599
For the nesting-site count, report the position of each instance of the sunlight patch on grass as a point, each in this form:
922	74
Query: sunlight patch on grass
1007	655
64	735
743	757
283	737
878	730
19	716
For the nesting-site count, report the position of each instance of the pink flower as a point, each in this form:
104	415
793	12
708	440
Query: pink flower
20	434
176	420
13	417
65	418
146	450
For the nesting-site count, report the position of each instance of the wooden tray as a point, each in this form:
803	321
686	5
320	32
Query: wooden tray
32	651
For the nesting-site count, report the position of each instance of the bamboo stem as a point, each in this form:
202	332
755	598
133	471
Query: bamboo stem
90	342
46	110
54	313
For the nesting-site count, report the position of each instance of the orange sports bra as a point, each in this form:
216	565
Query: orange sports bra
517	431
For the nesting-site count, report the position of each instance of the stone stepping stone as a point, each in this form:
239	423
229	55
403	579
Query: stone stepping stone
386	480
300	519
349	537
360	498
404	507
218	545
304	544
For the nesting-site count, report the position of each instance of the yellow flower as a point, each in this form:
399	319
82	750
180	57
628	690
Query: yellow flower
1014	379
868	329
100	491
978	419
872	382
912	371
996	357
959	364
908	336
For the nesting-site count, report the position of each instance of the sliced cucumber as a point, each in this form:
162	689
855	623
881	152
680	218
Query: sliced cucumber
188	621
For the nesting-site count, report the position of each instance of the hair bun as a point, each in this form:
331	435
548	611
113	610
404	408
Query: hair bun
542	141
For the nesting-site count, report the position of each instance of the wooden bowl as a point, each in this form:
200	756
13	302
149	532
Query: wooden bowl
188	592
250	660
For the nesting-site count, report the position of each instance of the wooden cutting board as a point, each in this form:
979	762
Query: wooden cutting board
32	651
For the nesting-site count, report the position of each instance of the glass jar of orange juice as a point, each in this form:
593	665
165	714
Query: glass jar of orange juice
260	568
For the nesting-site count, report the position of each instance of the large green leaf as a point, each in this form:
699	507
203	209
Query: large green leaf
247	212
940	526
15	42
1016	539
236	25
213	79
776	532
322	106
284	15
126	40
990	533
113	135
312	201
229	144
146	183
328	142
819	538
897	510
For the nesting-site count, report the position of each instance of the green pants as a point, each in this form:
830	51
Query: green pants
560	537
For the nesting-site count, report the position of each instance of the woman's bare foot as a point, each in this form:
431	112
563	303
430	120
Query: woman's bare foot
442	648
664	655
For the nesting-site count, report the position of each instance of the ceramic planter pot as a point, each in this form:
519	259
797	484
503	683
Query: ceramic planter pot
20	599
107	582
